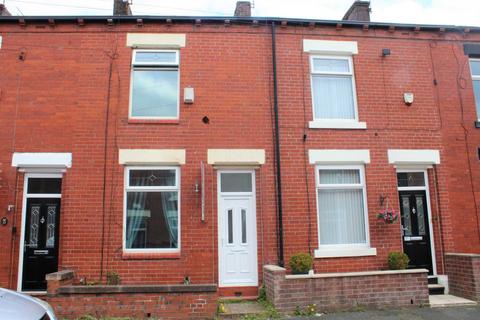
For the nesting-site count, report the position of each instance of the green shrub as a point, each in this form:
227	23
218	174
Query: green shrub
262	293
301	263
397	261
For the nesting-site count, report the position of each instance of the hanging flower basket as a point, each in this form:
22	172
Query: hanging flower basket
388	215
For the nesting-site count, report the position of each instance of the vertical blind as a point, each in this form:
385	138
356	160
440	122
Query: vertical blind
333	97
341	210
332	87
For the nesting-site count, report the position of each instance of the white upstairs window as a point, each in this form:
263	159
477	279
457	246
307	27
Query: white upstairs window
155	85
334	96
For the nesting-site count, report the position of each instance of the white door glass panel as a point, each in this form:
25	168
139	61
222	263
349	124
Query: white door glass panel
230	225
333	97
155	93
244	225
236	182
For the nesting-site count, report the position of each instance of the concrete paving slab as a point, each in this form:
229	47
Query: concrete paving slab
447	300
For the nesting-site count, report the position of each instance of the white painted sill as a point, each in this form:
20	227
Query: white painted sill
350	252
332	124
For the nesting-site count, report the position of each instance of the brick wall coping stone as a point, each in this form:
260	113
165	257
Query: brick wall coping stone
354	274
60	275
272	267
473	255
181	288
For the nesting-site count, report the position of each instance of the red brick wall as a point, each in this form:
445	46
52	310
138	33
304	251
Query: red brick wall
55	101
463	272
59	96
380	84
137	305
388	289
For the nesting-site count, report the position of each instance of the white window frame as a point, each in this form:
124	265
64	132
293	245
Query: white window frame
335	123
154	66
343	250
127	187
475	77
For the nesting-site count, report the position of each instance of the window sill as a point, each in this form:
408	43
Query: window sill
337	125
154	121
150	255
346	252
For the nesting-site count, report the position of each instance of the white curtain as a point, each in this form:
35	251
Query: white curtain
135	216
341	216
333	97
170	213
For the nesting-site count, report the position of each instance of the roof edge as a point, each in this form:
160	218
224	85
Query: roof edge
292	21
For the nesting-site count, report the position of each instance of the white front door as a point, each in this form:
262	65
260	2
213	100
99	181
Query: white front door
237	229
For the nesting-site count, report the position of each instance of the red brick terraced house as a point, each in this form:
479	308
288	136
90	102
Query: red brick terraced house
189	158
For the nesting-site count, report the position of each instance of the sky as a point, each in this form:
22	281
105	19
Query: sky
445	12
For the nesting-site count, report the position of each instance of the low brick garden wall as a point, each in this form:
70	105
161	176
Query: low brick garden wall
463	272
343	291
143	301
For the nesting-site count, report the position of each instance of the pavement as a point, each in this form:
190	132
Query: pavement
450	313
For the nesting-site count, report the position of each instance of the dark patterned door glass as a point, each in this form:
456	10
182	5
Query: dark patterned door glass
419	201
51	214
34	225
407	223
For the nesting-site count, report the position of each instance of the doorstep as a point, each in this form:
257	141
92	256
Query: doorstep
447	300
240	310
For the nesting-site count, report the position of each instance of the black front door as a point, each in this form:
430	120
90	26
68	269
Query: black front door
415	229
40	255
